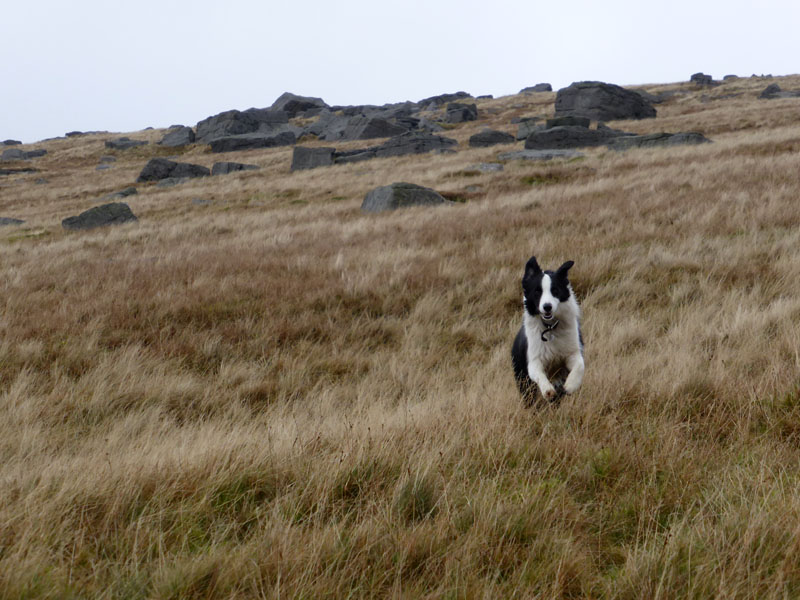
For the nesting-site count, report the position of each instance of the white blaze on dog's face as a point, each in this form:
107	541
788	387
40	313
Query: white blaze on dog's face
548	304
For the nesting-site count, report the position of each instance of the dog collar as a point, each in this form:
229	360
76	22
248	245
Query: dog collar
548	327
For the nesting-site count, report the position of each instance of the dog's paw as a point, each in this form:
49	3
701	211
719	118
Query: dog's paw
549	393
571	389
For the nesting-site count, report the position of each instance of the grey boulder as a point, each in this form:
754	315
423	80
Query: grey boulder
401	195
178	136
460	113
294	104
19	154
702	79
414	143
158	169
5	221
527	126
568	137
774	91
124	143
311	158
602	102
364	128
114	213
250	141
538	88
490	137
237	122
653	140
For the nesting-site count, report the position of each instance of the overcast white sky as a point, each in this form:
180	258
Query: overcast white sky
123	66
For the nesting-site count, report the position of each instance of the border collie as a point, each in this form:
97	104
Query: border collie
549	343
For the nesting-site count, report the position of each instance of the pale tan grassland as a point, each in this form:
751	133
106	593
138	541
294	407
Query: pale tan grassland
273	395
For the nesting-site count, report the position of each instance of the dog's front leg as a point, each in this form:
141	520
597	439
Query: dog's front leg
575	377
539	377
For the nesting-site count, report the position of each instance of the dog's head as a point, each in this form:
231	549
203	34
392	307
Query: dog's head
544	291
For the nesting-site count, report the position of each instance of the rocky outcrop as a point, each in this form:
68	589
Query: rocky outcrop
490	137
19	154
654	140
602	102
413	142
250	141
158	169
311	158
178	136
124	143
538	88
702	79
460	113
401	195
774	91
568	137
237	122
114	213
435	102
292	104
527	125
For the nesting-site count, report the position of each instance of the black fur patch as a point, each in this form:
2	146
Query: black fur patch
532	284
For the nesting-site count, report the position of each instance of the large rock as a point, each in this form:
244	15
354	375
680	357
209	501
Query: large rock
538	88
10	143
442	99
774	91
527	126
602	102
161	168
294	104
364	128
311	158
702	79
250	141
124	143
114	213
5	221
568	137
460	113
414	143
237	122
223	168
178	136
653	140
401	195
19	154
490	137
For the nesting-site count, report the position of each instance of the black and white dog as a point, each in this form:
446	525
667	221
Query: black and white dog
549	341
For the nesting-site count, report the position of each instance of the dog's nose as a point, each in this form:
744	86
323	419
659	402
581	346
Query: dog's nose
547	307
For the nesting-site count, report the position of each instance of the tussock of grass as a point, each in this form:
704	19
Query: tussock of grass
275	395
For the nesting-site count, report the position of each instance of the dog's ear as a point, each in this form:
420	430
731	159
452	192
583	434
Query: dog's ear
562	270
532	268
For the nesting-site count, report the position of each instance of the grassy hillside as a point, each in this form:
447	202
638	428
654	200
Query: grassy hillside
269	394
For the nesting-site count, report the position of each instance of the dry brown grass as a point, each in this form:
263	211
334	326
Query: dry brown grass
274	395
